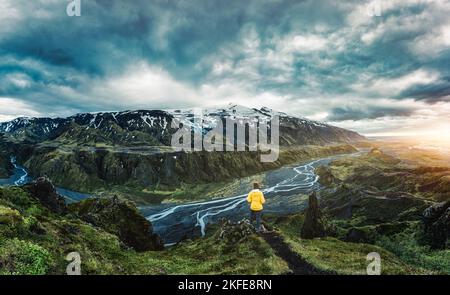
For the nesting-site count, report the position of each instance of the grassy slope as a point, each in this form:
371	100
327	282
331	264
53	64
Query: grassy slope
384	172
335	255
36	241
388	223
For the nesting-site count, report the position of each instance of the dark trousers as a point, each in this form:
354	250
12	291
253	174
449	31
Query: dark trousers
256	215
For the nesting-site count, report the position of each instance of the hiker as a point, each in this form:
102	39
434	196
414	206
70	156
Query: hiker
256	200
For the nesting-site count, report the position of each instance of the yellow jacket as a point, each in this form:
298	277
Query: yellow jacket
256	200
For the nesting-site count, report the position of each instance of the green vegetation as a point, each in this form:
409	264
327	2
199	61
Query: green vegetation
379	171
9	216
336	255
378	199
38	242
372	203
407	246
347	258
211	255
5	162
149	178
19	257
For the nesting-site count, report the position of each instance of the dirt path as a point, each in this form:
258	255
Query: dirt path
297	264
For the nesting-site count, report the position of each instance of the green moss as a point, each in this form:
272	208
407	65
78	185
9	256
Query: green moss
347	258
19	257
9	216
41	242
211	256
407	247
333	254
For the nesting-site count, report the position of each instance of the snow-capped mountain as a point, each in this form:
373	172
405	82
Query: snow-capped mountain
143	127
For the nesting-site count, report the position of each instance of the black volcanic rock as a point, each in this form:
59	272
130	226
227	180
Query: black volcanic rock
313	225
44	191
436	219
120	218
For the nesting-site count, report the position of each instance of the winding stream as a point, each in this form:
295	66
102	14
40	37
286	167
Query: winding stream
20	177
285	190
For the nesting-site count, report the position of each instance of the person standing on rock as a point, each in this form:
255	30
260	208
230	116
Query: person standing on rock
256	200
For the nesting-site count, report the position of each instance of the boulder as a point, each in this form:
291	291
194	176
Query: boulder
326	177
436	220
313	225
359	235
121	218
44	191
232	233
9	216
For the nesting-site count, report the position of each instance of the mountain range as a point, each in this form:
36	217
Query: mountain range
153	127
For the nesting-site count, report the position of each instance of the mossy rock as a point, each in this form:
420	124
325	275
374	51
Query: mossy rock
361	235
9	216
326	177
120	218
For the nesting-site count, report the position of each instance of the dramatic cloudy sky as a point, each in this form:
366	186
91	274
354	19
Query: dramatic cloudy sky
335	61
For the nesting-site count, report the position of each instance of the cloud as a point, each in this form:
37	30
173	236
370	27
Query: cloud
350	113
322	59
393	86
12	108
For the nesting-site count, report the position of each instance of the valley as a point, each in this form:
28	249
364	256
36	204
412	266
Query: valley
118	200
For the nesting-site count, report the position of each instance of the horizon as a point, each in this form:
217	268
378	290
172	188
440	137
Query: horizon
384	74
373	136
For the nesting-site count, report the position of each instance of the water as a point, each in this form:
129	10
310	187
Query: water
71	196
20	177
285	191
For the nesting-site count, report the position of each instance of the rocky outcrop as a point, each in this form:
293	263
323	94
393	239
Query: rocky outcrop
5	166
120	218
314	225
436	219
232	233
5	160
379	155
326	177
369	234
9	216
44	191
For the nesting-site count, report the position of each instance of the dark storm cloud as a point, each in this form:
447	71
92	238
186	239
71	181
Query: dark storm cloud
429	93
355	114
60	64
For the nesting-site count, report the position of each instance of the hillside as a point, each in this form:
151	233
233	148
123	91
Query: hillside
129	152
35	239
